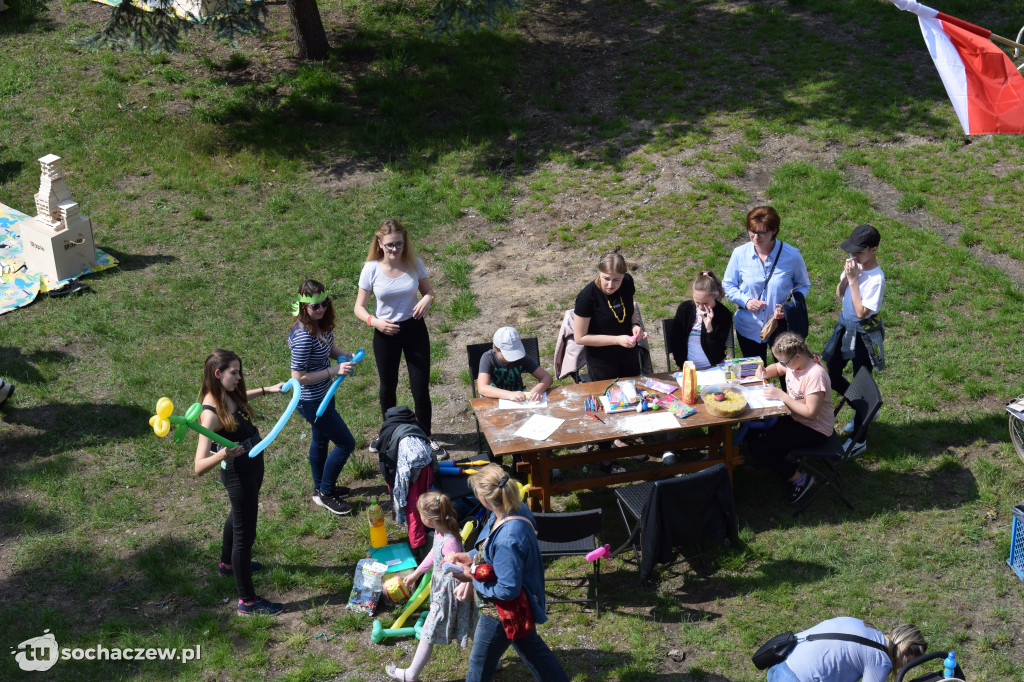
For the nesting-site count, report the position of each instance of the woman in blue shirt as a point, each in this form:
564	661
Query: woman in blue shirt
512	549
758	280
836	660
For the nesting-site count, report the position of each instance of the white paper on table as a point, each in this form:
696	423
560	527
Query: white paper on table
525	405
646	423
539	427
709	377
755	397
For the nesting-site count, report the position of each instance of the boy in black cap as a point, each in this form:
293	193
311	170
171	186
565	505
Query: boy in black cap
859	334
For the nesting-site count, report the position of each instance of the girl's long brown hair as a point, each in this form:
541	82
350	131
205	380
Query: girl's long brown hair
221	360
319	328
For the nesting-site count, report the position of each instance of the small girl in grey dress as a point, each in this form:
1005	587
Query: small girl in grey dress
449	619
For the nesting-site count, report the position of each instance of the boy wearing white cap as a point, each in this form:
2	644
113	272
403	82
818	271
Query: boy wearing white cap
501	369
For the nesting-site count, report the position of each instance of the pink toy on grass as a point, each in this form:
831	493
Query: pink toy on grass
600	553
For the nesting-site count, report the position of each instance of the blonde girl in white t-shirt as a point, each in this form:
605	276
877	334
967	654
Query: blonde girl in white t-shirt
396	277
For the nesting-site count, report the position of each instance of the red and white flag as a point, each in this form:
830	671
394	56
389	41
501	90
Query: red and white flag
985	88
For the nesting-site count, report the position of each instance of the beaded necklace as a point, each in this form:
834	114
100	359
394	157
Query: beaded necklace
618	319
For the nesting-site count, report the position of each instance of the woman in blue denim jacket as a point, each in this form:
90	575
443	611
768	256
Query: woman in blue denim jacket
513	551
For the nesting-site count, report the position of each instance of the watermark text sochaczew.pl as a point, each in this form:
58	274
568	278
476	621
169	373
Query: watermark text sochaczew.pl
42	653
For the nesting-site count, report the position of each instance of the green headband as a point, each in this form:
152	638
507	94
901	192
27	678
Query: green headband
315	298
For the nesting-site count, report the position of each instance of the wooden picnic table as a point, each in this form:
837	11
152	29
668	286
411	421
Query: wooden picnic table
700	430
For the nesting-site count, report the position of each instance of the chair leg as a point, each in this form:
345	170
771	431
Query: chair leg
597	589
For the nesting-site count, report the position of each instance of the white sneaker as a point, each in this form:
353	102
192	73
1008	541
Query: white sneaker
855	449
6	391
439	451
372	447
849	427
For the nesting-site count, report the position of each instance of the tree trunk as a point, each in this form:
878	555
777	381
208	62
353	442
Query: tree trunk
310	37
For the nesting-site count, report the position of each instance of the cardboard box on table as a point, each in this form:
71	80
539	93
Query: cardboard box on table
58	242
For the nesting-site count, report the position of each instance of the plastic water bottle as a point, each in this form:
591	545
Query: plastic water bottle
378	534
949	665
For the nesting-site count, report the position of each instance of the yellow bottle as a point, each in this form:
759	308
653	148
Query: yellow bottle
378	534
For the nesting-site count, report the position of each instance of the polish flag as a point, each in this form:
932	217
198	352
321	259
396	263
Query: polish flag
985	88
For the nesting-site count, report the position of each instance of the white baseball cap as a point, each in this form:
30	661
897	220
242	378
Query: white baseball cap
508	342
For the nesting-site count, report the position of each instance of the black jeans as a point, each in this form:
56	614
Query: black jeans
413	340
770	446
242	478
837	363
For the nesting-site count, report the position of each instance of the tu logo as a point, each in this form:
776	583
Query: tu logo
38	653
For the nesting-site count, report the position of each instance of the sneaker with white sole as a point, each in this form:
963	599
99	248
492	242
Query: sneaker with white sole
6	391
439	451
317	500
849	427
795	491
372	447
854	449
335	505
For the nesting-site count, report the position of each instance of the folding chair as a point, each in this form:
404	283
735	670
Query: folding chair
474	352
572	534
684	511
864	398
668	323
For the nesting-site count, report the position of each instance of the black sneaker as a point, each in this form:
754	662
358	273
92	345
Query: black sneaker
340	491
372	447
335	505
254	566
260	607
611	468
796	491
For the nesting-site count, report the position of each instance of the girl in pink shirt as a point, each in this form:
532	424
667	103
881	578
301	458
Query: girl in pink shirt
808	396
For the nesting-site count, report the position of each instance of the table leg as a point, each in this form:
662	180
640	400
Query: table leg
529	464
542	480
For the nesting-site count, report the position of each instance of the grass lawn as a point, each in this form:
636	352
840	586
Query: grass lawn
222	176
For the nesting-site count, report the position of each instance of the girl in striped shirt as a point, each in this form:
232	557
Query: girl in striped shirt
311	341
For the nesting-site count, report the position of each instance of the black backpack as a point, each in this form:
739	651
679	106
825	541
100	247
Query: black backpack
399	423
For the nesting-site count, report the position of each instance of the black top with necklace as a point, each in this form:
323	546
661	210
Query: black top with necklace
611	315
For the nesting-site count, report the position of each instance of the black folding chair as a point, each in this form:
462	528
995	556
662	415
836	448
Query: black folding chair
826	461
474	352
571	534
684	511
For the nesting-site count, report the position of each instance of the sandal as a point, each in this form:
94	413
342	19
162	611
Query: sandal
397	673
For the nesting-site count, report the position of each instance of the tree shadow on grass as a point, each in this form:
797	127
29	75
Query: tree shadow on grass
18	367
19	517
629	69
58	427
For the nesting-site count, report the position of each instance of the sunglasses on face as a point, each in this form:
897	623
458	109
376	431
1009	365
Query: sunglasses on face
317	306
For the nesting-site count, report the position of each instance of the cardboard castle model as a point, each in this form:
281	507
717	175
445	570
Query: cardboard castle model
58	241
